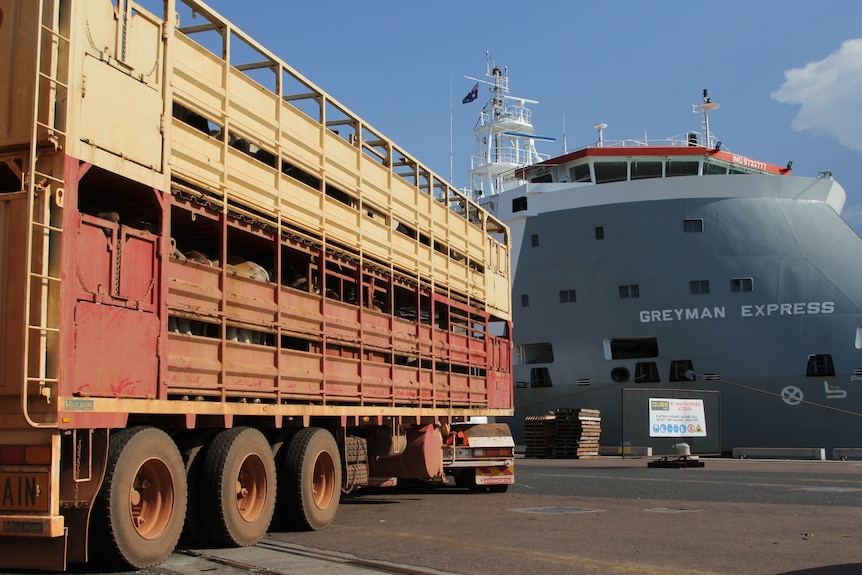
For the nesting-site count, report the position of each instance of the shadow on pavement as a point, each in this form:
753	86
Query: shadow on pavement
846	569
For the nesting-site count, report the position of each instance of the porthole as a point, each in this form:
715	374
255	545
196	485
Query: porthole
620	374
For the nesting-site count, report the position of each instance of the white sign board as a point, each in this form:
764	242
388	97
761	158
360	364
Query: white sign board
676	418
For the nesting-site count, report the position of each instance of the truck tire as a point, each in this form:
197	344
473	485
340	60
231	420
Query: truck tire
312	479
238	487
279	440
192	445
139	512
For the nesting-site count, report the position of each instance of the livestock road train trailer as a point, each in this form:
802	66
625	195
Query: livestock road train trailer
225	299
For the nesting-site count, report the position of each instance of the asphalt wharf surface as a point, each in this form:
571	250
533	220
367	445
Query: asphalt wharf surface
612	515
605	516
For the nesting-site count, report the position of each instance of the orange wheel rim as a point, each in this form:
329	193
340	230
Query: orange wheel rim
323	484
151	499
251	488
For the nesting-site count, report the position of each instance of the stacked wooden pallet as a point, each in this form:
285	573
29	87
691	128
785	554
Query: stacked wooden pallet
566	434
539	436
577	433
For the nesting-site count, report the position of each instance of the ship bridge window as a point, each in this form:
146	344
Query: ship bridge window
710	169
682	168
820	365
529	353
646	372
519	204
607	172
580	173
545	179
643	170
681	370
741	284
631	347
540	377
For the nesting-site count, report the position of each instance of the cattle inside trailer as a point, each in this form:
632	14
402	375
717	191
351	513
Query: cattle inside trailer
225	299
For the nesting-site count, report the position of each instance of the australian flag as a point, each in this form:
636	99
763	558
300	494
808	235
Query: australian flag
474	93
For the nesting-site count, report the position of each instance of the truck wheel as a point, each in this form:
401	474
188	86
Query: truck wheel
312	479
279	440
142	504
192	445
238	487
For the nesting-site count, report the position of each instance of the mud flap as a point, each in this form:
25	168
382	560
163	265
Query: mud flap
495	475
41	553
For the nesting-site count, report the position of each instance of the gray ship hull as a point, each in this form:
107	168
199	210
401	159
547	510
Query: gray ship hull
776	274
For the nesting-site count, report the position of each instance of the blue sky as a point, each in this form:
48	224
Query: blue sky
788	74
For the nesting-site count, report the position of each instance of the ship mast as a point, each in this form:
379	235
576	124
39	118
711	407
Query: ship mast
707	107
504	135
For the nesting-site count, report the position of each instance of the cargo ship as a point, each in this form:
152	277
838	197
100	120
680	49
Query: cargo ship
648	269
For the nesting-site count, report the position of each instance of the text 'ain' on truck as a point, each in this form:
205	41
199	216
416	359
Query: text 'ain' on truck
225	300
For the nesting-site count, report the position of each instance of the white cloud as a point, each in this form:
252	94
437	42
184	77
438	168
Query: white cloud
829	93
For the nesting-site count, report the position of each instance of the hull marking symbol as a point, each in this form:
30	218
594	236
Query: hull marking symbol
834	392
791	395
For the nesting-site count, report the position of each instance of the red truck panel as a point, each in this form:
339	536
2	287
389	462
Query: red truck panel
115	352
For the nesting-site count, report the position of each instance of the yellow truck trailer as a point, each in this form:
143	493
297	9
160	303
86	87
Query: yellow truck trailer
216	281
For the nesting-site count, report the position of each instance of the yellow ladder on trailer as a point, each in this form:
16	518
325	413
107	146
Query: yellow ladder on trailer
44	184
